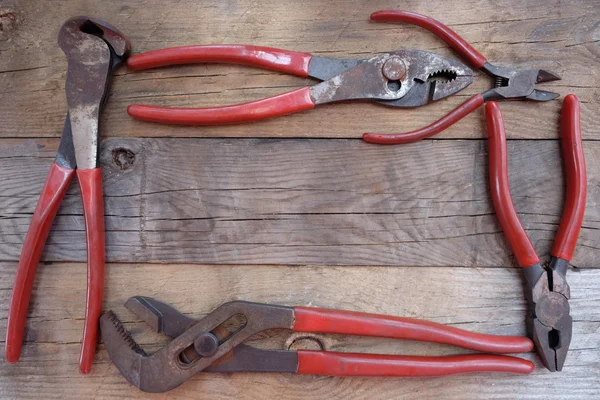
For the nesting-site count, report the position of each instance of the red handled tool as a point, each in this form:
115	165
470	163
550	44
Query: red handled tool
94	49
405	78
215	344
509	83
548	293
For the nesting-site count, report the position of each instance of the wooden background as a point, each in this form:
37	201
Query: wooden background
297	210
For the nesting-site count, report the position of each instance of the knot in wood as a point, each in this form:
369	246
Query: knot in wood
123	158
8	22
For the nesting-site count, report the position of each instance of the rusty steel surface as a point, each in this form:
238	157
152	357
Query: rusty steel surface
94	49
172	365
404	78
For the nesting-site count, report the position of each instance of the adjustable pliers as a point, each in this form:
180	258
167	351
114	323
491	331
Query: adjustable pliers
215	344
547	291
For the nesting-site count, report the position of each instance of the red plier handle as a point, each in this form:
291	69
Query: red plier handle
324	320
453	39
57	182
52	194
572	151
576	180
291	62
357	364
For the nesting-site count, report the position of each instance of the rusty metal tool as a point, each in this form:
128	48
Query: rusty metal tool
215	343
94	49
404	78
509	83
548	319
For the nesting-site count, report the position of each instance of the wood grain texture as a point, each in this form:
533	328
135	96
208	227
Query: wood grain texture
307	216
50	354
556	35
328	202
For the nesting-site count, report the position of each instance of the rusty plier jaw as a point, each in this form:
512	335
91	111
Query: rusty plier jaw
119	47
549	319
388	78
510	83
190	351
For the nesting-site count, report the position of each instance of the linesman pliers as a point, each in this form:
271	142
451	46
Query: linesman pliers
94	49
548	319
215	344
404	78
509	83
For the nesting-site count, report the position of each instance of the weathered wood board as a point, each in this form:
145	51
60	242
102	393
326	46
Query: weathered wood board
297	210
329	202
479	299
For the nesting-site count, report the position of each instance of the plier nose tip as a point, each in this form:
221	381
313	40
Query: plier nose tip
447	76
546	76
542	95
441	88
113	37
552	344
161	317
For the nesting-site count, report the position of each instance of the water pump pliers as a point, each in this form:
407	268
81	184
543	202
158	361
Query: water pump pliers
94	49
548	319
404	78
509	83
215	343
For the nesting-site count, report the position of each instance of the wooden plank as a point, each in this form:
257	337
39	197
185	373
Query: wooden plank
329	202
49	360
559	36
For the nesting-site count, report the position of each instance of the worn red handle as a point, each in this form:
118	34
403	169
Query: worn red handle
460	45
290	62
358	364
90	183
576	190
286	103
52	194
445	122
323	320
502	200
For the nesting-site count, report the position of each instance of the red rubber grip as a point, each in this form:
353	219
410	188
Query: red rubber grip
576	190
289	62
460	45
90	183
503	204
357	364
323	320
298	100
52	194
445	122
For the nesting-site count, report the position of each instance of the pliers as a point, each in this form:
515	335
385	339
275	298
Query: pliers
215	343
547	291
509	83
404	78
94	49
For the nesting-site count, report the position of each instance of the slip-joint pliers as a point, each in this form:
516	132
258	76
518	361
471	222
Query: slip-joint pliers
404	78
